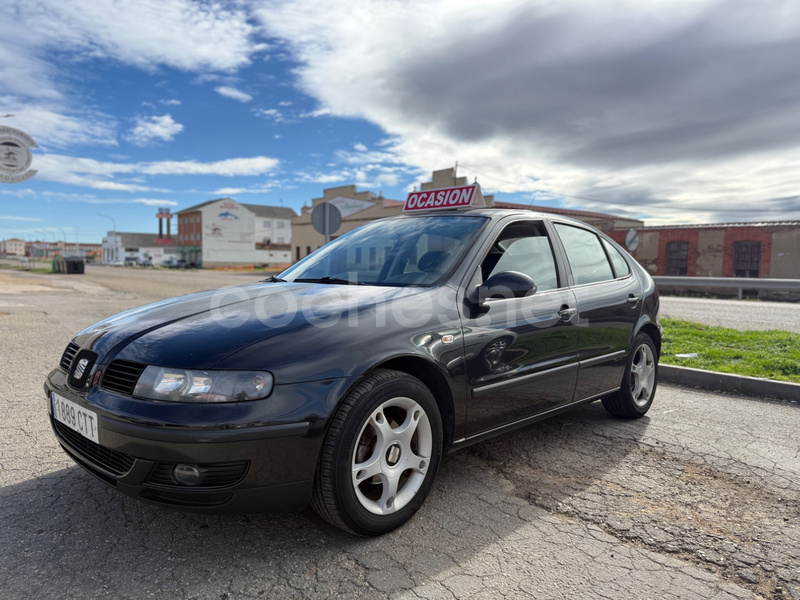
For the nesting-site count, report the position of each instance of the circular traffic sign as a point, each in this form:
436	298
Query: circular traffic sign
632	240
326	218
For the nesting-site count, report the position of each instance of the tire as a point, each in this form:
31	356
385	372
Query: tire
639	383
380	455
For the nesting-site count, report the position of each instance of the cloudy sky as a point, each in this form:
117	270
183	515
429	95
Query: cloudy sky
674	111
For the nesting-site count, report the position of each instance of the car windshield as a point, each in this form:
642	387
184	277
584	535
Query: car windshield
396	252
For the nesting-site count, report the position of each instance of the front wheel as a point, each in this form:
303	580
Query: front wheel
380	455
635	396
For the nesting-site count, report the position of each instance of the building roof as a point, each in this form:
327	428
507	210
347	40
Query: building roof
725	225
274	212
201	205
260	210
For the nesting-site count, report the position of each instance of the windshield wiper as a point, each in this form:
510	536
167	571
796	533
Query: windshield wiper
275	279
327	279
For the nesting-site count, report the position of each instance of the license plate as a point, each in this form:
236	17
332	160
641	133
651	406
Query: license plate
75	417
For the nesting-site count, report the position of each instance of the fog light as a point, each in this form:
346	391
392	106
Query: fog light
187	474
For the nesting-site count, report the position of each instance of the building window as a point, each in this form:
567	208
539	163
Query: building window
267	224
297	252
677	258
308	250
280	240
373	258
280	224
746	258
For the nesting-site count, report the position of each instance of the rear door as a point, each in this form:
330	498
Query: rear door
609	305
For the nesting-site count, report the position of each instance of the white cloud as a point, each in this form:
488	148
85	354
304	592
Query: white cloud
233	93
270	113
689	110
52	126
128	177
261	188
360	147
84	198
171	102
152	129
321	112
257	165
187	35
11	218
154	202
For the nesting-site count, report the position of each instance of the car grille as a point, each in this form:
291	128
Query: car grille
69	354
106	459
121	376
215	475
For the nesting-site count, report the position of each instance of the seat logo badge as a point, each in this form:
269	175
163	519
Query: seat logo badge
80	368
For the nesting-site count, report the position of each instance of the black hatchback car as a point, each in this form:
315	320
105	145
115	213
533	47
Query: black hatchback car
342	381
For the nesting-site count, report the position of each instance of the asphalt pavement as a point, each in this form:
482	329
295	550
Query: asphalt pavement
734	314
699	499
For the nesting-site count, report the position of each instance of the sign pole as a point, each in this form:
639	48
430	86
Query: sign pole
327	224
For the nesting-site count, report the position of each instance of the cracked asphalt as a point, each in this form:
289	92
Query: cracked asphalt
700	499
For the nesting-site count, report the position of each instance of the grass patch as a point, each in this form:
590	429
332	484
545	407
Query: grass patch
768	354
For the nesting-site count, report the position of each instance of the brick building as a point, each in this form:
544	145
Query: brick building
766	250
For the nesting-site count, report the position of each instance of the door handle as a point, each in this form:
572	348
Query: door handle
567	313
633	300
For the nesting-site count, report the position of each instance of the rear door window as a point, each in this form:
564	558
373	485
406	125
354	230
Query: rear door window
585	253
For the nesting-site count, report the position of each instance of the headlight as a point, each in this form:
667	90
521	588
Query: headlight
182	385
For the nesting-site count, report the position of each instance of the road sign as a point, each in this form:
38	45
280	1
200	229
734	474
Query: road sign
632	240
326	219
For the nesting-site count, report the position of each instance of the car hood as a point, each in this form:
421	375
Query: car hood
296	328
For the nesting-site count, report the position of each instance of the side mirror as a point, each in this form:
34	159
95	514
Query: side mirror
506	284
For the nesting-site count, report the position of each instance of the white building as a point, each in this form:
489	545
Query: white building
224	232
120	248
273	224
12	247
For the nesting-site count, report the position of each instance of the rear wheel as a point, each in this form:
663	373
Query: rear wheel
639	383
380	456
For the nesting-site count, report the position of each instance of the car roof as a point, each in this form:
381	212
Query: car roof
492	213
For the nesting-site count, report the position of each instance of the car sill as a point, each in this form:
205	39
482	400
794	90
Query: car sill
484	435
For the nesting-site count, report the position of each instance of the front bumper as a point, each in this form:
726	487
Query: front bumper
259	466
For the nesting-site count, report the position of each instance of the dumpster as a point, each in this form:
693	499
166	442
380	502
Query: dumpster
74	265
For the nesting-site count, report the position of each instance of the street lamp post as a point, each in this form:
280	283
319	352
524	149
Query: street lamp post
114	235
64	233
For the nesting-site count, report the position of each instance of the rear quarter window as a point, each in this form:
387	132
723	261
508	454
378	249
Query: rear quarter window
621	266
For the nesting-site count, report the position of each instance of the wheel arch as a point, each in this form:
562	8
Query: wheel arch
434	380
654	333
652	330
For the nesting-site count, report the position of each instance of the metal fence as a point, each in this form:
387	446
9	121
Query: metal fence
728	283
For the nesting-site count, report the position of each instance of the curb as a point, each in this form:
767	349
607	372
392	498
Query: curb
751	386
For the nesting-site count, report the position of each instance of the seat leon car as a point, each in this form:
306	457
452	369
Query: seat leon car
342	381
